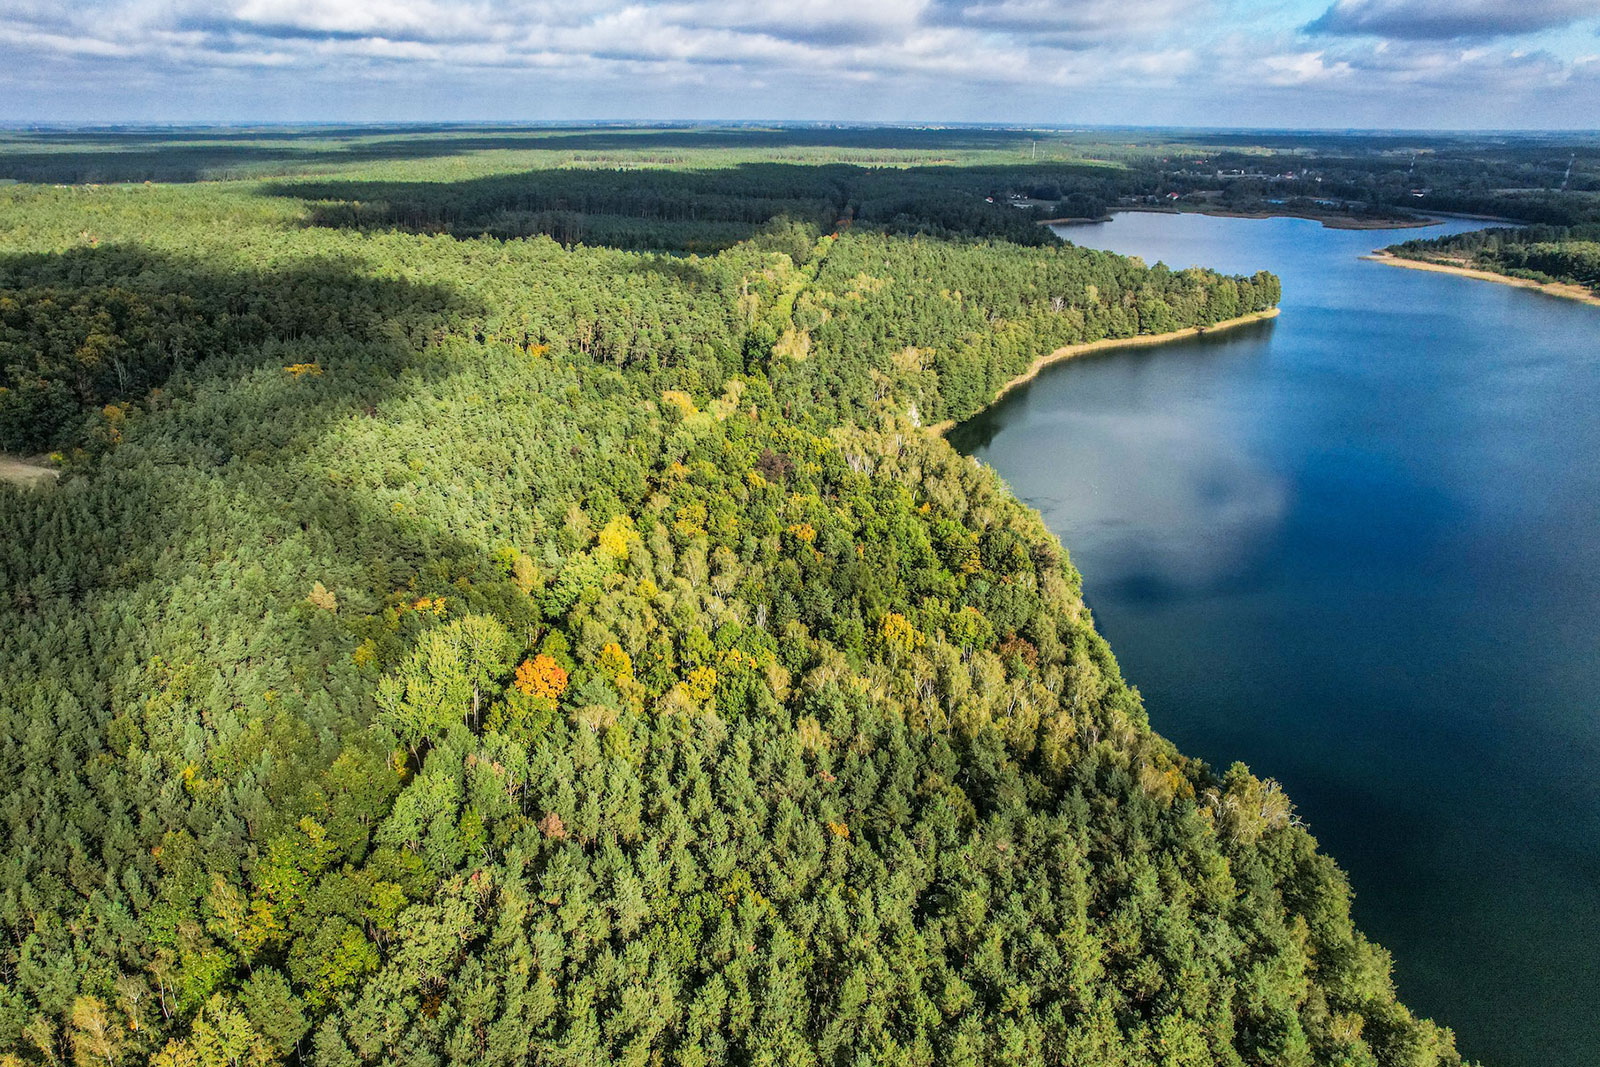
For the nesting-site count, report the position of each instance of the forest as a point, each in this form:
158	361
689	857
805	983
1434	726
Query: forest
1568	254
493	613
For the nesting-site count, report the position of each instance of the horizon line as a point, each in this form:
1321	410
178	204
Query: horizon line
48	125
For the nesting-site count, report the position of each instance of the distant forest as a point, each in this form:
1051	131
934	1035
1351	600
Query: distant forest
500	603
1536	178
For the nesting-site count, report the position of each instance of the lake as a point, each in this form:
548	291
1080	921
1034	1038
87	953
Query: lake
1358	547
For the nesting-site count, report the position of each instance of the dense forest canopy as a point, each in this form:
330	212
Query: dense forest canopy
454	642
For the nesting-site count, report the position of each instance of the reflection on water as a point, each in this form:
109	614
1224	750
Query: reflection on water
1359	548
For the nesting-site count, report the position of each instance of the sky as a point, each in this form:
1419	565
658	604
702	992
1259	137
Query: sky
1412	64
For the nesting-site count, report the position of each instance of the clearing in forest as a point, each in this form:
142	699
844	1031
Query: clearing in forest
21	472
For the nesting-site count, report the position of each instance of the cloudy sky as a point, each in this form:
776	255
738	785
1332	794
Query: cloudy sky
1294	63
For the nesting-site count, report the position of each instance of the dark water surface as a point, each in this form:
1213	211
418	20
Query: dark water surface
1359	548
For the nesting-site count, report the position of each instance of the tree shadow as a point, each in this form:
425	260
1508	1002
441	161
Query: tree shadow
251	370
96	326
193	620
166	668
694	209
678	210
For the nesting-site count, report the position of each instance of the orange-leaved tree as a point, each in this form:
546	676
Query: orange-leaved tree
541	677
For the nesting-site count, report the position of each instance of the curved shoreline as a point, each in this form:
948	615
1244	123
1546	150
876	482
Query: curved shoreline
1138	340
1565	290
1330	220
1075	220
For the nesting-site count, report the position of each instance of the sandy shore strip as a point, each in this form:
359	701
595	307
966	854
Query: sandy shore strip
1565	290
1074	221
1136	341
1332	220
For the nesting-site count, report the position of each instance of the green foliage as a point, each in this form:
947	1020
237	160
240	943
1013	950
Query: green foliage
837	768
936	327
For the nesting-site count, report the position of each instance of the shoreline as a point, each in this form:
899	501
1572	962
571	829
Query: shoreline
1498	220
1331	221
1138	340
1565	290
1075	221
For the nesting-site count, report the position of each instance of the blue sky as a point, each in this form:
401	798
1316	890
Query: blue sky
1305	63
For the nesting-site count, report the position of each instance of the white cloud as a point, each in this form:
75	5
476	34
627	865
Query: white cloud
1303	68
1154	61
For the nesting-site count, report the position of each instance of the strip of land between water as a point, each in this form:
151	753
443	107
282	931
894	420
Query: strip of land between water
1333	220
1566	290
1138	340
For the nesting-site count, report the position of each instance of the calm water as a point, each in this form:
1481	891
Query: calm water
1359	549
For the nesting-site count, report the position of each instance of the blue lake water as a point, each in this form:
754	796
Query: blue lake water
1358	547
